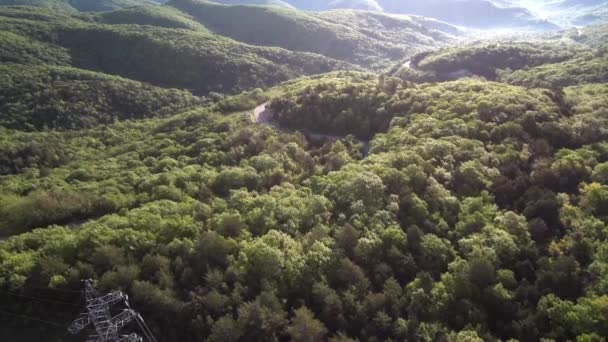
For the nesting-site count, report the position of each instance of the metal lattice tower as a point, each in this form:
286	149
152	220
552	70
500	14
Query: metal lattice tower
98	314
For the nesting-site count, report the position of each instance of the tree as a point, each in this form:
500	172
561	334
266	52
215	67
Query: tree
305	327
262	319
225	329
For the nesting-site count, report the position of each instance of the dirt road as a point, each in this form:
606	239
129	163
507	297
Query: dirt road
262	114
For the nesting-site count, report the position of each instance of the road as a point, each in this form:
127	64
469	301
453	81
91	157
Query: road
262	115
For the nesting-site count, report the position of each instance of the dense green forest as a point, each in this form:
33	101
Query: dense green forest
126	44
364	38
80	5
470	13
550	60
419	203
37	97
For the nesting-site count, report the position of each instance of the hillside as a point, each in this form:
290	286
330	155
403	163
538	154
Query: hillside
555	60
486	59
365	5
474	193
577	12
363	38
79	5
261	173
193	59
37	97
470	13
162	16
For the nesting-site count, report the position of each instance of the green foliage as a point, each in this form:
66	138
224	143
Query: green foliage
54	4
581	70
364	38
162	16
243	101
60	97
362	104
486	59
18	49
73	5
192	59
472	210
304	327
198	61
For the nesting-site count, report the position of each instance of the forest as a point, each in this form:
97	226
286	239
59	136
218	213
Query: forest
380	201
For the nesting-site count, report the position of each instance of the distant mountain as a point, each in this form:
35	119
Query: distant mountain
81	5
368	39
161	52
368	5
470	13
567	12
256	2
580	12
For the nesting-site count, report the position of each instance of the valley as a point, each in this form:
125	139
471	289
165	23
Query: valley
306	170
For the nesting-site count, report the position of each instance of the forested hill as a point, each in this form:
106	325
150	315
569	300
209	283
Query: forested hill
80	5
175	52
460	195
469	13
551	61
364	38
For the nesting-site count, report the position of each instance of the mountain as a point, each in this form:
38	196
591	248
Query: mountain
550	60
195	59
582	13
472	13
262	173
467	191
469	13
68	98
161	16
366	5
80	5
257	2
368	39
568	12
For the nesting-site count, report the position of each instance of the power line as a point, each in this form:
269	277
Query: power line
151	338
39	299
51	289
149	331
31	318
41	288
144	331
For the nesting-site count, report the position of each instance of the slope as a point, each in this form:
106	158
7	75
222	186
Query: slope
364	38
79	5
51	97
469	13
162	16
478	193
181	58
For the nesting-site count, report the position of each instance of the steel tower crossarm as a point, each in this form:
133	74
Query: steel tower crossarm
123	318
130	338
79	323
99	316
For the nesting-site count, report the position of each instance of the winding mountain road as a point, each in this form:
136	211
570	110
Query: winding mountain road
262	115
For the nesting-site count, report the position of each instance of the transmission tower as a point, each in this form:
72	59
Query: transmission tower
106	326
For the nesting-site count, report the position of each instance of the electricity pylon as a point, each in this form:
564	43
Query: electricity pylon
98	314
